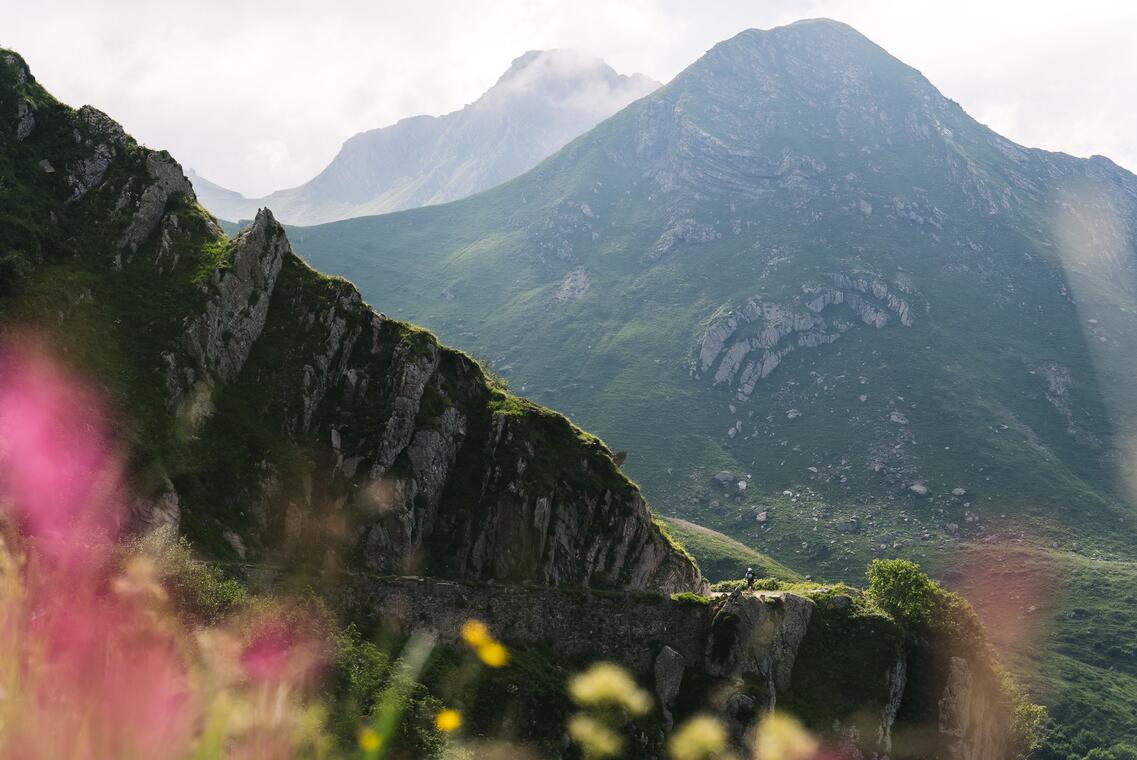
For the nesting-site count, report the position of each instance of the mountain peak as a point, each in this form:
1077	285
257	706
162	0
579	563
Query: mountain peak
542	101
748	95
816	28
821	24
565	70
824	46
563	56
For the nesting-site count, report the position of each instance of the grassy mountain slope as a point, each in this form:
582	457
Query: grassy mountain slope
798	280
597	282
1065	622
721	558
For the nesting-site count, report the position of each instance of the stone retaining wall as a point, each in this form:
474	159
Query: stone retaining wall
629	628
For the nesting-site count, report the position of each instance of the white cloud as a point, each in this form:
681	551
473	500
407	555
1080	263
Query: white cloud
259	94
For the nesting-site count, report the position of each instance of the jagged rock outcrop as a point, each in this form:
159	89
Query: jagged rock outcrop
295	423
756	637
220	338
217	340
422	472
104	139
746	344
165	179
853	292
437	482
678	233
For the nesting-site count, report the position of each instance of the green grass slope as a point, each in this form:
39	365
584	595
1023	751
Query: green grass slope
1066	623
721	558
591	282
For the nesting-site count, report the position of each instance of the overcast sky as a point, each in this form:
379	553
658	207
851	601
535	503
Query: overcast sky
258	95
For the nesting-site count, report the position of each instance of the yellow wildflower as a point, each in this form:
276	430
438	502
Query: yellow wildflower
608	685
596	740
493	654
475	633
448	720
369	741
781	737
700	738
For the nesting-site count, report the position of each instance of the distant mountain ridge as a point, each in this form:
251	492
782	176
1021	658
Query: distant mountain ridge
544	99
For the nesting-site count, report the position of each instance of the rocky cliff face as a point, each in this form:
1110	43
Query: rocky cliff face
744	345
822	655
969	726
274	413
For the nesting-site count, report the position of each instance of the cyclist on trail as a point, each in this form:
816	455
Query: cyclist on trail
749	579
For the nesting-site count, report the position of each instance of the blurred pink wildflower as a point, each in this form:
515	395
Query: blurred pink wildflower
98	674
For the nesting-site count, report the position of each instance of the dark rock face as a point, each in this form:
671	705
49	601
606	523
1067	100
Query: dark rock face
164	180
748	652
104	138
758	636
419	470
217	341
285	418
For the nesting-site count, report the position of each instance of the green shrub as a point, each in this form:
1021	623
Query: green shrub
686	597
198	591
1027	720
903	590
922	606
204	592
364	680
1123	751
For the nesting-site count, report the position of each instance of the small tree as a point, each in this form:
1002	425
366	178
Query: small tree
903	590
